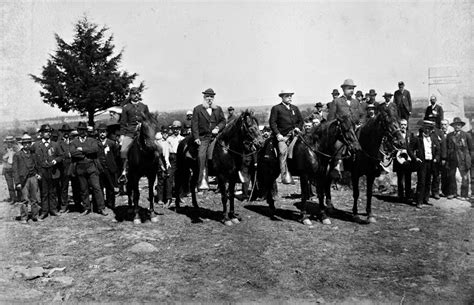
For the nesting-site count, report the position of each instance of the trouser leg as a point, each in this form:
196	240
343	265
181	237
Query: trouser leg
445	180
428	175
94	183
421	183
464	183
400	184
435	179
452	181
202	163
285	175
84	190
407	176
8	173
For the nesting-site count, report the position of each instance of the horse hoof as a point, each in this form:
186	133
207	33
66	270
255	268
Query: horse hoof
371	219
137	221
307	222
228	223
235	221
326	221
154	219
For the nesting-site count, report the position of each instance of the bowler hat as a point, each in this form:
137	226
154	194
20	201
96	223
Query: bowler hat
319	104
209	92
348	83
66	128
45	127
25	138
372	92
335	92
387	94
187	126
370	106
428	123
102	126
401	83
285	92
176	124
359	93
230	108
81	125
164	128
457	120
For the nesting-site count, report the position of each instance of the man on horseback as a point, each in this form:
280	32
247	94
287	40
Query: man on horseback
284	118
207	121
345	104
133	114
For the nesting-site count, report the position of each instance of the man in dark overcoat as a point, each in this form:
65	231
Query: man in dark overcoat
108	152
402	99
426	148
459	157
207	121
84	153
49	157
64	146
403	165
434	112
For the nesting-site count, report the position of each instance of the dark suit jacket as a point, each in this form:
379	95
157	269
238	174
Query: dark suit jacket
46	155
418	147
340	107
459	150
131	116
202	123
107	159
407	166
24	166
435	113
403	102
283	120
85	159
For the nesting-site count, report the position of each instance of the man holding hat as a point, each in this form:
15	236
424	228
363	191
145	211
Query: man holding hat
434	112
133	114
402	165
459	145
207	121
49	157
8	167
285	118
84	153
427	151
345	105
26	174
231	116
402	99
108	152
64	146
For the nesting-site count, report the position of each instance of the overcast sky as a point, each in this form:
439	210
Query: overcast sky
246	51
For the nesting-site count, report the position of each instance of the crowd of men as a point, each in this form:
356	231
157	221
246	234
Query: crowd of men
92	162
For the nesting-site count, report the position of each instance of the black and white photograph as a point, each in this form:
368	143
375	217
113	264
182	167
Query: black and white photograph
237	152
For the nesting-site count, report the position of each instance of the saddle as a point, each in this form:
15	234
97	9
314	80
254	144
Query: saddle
191	149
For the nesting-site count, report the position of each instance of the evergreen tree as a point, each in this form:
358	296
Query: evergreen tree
84	75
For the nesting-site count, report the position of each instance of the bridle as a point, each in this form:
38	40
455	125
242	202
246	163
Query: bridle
250	144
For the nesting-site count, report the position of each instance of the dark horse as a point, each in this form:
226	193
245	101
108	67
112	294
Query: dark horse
144	159
314	156
367	161
238	140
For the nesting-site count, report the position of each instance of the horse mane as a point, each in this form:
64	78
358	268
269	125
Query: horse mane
229	129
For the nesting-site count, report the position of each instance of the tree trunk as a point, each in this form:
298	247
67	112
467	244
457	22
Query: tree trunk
90	114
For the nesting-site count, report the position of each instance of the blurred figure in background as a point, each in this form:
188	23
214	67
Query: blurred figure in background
7	171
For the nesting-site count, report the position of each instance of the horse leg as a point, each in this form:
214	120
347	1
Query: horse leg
136	199
232	215
129	187
325	185
224	196
151	182
370	183
355	196
304	218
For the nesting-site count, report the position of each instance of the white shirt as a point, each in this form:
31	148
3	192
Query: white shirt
209	110
427	146
166	150
173	142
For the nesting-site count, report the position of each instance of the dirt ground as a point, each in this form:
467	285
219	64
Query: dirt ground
408	257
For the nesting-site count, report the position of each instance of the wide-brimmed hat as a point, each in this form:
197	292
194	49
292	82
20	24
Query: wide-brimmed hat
285	92
26	138
372	92
428	123
115	109
45	127
335	92
359	93
102	126
189	112
65	128
387	94
81	125
9	139
319	104
209	92
348	83
456	121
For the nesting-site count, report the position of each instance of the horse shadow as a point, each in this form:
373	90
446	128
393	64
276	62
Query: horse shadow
393	199
126	213
195	217
280	214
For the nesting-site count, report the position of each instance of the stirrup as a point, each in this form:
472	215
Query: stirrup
243	177
123	178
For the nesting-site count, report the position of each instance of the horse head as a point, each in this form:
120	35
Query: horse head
252	137
390	126
346	133
146	135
